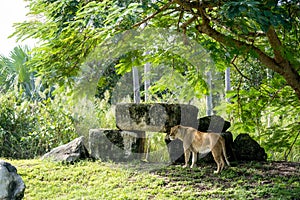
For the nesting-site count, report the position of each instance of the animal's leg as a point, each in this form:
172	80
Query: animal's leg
217	160
224	150
194	159
187	154
218	169
222	163
221	159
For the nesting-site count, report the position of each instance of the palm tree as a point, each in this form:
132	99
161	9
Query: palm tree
17	75
14	70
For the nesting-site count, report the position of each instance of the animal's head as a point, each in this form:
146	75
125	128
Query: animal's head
173	132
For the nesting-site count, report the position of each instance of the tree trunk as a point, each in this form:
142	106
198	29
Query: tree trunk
293	79
227	81
147	67
209	104
136	85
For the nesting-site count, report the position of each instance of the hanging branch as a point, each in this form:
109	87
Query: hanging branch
154	14
292	145
237	69
179	20
187	23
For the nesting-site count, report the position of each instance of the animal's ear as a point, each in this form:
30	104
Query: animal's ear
167	137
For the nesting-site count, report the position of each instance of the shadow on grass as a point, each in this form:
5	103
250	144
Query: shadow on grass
252	180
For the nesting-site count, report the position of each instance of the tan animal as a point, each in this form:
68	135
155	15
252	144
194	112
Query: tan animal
195	141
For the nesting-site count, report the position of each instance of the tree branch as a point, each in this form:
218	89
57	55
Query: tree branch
188	5
278	64
277	46
179	20
238	70
184	25
284	68
243	46
291	147
154	14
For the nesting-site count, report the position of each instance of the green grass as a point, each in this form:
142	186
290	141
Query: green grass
103	180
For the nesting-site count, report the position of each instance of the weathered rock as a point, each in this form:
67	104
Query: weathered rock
116	145
247	149
12	186
213	123
71	152
175	149
157	117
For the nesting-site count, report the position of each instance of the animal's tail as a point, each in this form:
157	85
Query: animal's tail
224	151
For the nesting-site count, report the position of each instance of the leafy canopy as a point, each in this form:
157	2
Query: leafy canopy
70	30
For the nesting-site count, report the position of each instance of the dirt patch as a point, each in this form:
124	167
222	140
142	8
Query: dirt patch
283	168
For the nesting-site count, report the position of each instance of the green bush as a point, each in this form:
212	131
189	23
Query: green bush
91	113
270	116
31	128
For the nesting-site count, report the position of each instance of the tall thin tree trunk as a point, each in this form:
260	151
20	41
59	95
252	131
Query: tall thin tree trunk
269	118
147	67
227	82
209	104
136	85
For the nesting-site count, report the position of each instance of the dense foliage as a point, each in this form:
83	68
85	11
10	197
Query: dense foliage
32	121
270	111
29	129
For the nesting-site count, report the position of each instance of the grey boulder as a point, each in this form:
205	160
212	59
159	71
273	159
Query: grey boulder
247	149
69	153
12	186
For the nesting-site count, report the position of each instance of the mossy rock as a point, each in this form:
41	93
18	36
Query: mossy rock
155	117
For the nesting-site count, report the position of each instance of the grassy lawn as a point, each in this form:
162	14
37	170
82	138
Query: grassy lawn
103	180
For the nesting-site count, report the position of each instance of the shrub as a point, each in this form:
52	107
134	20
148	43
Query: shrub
31	128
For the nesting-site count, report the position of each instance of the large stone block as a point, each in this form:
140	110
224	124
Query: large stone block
156	117
12	186
116	145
